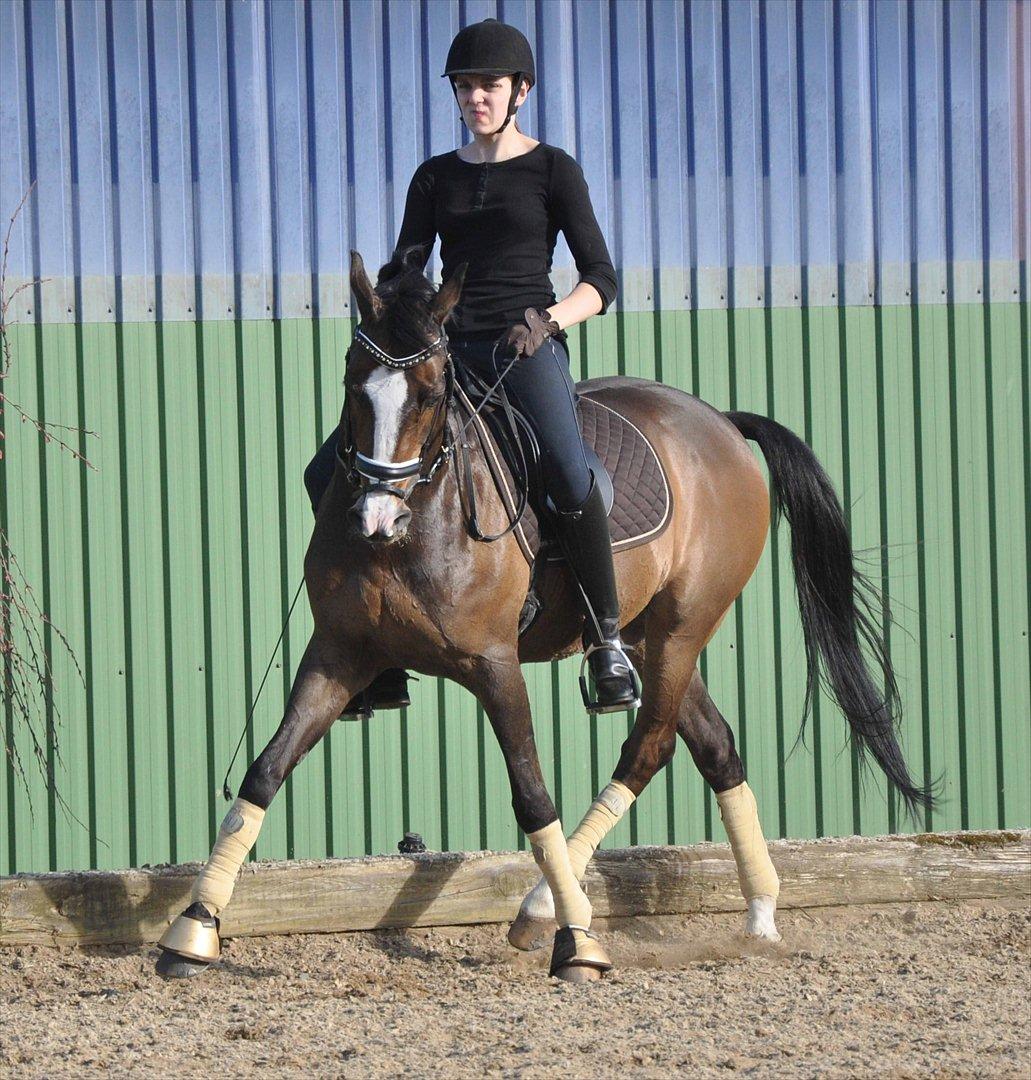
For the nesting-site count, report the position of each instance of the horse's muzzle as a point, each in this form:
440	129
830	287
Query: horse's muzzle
380	518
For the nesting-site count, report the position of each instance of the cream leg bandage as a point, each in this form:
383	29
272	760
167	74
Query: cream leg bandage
236	837
741	819
598	822
603	816
572	908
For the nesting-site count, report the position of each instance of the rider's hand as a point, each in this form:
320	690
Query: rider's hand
525	338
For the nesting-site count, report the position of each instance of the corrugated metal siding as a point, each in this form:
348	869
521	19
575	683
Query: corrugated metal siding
219	159
810	207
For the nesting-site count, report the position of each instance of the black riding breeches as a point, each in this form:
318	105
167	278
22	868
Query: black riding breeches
542	388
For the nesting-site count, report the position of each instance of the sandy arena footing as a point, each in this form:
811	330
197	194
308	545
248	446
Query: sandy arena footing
907	990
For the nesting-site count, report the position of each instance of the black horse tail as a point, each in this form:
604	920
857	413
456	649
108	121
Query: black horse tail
836	600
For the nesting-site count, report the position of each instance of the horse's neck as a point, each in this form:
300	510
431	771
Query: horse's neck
442	520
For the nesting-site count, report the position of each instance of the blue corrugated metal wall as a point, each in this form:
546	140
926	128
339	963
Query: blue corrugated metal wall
817	210
218	159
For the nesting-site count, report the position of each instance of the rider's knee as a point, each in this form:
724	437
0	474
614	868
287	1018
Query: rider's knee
566	485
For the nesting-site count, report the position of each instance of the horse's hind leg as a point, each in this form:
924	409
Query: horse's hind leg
711	742
323	684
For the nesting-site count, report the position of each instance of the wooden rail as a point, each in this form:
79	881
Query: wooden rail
134	906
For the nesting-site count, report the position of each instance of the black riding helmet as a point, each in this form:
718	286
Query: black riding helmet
491	48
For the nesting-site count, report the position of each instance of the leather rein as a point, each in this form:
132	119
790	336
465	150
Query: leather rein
373	477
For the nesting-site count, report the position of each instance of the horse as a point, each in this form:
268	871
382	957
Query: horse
396	578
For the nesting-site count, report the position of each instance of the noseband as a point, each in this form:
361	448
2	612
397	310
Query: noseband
373	477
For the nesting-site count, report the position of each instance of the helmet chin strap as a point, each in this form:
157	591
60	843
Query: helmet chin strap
511	113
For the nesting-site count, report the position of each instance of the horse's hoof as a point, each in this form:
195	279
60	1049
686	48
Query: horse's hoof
528	934
172	966
577	973
577	956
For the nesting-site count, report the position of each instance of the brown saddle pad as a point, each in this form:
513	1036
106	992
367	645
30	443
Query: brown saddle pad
641	505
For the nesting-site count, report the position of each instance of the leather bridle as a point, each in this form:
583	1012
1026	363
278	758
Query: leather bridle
374	477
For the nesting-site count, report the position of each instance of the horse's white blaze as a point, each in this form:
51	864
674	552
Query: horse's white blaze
387	391
759	922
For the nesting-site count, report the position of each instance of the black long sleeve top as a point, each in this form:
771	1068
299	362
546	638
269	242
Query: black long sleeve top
503	218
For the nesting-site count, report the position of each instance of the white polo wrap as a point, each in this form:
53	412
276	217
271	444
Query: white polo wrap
741	819
214	886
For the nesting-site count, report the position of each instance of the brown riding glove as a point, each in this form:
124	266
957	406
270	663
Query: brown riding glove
525	338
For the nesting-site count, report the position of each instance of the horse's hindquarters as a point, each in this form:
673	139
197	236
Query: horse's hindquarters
720	511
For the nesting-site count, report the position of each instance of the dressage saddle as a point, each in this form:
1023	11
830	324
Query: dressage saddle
634	485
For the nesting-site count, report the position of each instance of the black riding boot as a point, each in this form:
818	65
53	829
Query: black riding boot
584	534
389	690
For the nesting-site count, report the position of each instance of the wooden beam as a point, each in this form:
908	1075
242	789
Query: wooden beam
134	906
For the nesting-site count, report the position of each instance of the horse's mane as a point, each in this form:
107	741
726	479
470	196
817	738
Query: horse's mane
407	295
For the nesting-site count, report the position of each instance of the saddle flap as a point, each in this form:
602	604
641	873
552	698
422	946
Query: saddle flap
634	484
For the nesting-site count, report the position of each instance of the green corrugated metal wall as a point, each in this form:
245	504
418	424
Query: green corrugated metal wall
170	569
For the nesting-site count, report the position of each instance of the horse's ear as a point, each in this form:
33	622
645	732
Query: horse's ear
448	295
369	304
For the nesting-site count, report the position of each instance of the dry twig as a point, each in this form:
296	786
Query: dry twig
27	632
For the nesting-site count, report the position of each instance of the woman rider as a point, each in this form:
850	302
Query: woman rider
498	204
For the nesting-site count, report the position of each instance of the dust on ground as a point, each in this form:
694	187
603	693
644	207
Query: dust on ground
906	990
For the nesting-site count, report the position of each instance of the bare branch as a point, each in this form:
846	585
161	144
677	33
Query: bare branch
27	632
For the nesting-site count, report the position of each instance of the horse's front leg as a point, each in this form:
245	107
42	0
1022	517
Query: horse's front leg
499	685
324	683
536	919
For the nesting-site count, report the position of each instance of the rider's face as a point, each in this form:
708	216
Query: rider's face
484	99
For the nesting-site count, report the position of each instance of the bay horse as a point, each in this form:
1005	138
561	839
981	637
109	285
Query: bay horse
395	578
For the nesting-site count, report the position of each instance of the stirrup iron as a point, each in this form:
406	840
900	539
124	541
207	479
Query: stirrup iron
593	705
